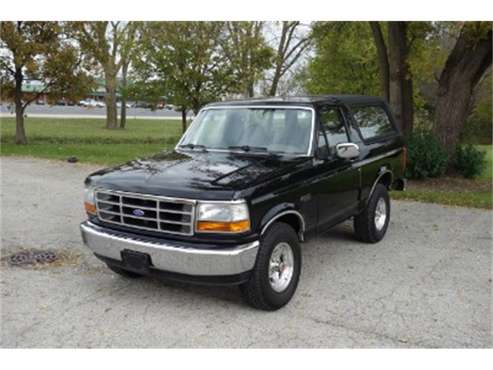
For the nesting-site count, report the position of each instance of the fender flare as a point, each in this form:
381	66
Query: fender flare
383	171
279	211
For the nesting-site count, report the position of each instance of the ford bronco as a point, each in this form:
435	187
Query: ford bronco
246	184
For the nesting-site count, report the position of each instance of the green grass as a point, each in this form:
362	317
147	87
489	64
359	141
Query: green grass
91	131
462	199
106	154
88	139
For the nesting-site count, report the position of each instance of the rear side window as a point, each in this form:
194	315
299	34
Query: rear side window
373	122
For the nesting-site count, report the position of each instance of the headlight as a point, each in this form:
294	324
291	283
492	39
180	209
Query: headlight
223	217
89	200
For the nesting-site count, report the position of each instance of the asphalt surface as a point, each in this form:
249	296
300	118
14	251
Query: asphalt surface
61	111
427	284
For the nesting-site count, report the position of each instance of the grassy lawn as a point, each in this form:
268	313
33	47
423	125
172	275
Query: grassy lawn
455	191
88	140
451	198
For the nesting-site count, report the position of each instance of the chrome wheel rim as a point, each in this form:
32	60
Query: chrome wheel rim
380	214
281	267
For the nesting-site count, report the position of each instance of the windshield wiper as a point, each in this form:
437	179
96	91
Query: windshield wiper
248	148
194	146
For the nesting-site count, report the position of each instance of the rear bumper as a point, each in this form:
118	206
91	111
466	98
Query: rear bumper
171	257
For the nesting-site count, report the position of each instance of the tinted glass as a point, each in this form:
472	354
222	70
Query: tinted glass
373	122
275	130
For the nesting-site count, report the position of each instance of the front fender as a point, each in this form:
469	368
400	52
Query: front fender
279	211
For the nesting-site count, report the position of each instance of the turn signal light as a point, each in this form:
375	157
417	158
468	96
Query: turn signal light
90	208
231	227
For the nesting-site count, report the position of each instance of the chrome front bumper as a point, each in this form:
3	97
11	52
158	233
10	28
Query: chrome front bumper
167	256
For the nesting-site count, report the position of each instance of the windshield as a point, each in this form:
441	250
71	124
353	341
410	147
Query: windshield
273	130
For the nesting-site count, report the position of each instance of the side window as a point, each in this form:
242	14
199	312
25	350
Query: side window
373	122
332	124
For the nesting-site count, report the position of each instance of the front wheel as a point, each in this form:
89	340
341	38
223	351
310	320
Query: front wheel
276	273
371	225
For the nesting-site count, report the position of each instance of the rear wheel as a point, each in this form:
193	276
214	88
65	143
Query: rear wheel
122	272
371	225
276	273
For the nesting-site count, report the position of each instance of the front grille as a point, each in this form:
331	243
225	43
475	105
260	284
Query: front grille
146	212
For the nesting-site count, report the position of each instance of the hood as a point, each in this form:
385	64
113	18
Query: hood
205	175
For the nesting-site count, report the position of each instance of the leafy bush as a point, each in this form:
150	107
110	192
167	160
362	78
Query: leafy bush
426	156
469	161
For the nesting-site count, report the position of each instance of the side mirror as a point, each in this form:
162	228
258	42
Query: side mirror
347	150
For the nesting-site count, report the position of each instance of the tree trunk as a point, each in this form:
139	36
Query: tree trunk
123	113
20	132
250	89
183	120
466	64
383	61
111	111
123	108
279	60
400	81
275	83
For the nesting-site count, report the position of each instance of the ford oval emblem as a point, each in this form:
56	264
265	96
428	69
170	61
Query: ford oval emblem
138	212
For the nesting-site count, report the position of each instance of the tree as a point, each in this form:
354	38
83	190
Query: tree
39	51
344	60
400	78
383	60
109	44
290	47
395	72
248	52
126	55
468	61
184	62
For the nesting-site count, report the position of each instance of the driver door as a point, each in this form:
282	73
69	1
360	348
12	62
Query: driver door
338	181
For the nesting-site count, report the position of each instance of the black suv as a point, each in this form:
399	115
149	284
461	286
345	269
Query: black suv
246	183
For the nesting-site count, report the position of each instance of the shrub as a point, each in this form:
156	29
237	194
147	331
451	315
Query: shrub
469	161
426	156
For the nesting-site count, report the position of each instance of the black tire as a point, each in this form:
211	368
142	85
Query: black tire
122	272
257	291
365	225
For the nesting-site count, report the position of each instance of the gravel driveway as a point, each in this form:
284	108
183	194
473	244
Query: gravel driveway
427	284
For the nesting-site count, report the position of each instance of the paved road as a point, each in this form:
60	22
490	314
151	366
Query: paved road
428	284
34	110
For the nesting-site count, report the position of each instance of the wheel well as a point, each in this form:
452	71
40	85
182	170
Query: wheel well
292	219
386	179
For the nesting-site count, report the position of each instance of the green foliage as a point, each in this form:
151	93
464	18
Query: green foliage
479	126
426	156
345	60
488	172
41	51
248	54
184	60
469	161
